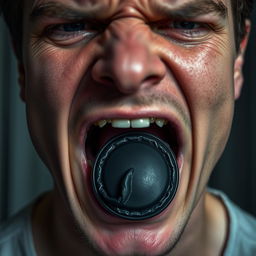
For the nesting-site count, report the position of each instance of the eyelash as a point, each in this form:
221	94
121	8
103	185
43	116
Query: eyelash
178	30
74	32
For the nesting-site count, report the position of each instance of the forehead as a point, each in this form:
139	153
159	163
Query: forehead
108	9
119	2
115	5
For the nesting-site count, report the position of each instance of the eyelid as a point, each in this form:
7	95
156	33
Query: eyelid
170	24
57	26
210	19
183	36
53	33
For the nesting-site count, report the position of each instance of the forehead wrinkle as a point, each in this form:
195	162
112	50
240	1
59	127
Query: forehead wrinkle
60	10
191	9
79	2
91	2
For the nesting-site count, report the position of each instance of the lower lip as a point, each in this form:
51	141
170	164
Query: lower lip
133	241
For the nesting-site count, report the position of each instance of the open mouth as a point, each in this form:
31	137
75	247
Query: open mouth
103	130
110	191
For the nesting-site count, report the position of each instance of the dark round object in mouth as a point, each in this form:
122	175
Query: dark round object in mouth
135	176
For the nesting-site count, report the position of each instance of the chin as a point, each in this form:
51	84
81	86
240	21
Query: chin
132	240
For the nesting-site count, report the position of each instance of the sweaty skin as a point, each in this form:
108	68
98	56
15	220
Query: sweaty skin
129	59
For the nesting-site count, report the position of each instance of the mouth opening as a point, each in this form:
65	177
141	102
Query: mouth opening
97	137
120	191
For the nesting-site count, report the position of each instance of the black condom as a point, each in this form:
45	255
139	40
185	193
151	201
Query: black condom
135	176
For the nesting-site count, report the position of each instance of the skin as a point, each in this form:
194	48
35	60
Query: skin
133	68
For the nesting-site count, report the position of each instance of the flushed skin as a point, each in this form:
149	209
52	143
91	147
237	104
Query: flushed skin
129	66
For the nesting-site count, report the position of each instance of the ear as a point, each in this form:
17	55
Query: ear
239	61
22	81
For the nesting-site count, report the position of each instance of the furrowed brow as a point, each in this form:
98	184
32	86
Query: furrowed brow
194	9
58	10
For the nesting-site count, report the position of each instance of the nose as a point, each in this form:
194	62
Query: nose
128	63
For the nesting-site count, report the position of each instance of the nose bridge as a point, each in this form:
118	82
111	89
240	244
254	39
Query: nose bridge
130	32
128	52
128	61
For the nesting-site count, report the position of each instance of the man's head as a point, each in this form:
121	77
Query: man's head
88	66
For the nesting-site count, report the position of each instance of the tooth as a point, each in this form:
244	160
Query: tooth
140	123
101	123
120	123
160	122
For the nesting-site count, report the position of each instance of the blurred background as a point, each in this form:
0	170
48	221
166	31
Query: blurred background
23	176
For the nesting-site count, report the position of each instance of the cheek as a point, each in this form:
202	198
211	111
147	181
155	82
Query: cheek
55	73
207	80
52	79
210	95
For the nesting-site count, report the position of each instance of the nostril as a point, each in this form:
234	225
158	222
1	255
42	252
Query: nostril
107	80
151	79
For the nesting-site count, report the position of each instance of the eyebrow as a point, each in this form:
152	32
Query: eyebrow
59	10
193	9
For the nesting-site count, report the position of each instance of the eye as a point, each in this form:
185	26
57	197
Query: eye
185	25
71	27
182	30
71	33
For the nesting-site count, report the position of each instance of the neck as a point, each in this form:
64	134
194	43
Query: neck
55	231
206	230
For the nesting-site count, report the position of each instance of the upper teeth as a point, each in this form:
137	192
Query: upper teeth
132	123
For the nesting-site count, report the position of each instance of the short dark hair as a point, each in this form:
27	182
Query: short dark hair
13	16
241	12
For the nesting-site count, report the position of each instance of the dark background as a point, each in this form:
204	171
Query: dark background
23	176
236	171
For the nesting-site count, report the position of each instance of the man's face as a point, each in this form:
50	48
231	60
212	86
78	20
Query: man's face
90	62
